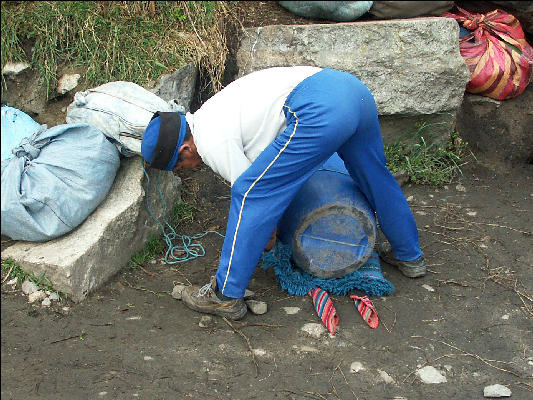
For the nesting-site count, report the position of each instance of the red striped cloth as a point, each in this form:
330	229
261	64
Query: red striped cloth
325	309
499	58
367	310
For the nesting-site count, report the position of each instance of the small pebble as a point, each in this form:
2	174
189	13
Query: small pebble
54	297
36	296
257	307
313	329
496	390
46	302
28	287
177	291
356	366
248	294
505	316
430	374
12	282
148	358
206	321
460	188
291	310
428	288
385	377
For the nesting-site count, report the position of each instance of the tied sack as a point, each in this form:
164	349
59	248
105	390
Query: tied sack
496	52
56	179
121	111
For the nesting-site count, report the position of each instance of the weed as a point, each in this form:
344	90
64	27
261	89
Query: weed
15	271
181	212
112	40
153	247
428	164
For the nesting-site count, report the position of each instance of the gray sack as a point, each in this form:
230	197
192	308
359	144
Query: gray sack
121	110
56	179
339	11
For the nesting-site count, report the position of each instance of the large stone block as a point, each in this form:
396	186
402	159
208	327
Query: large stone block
413	66
84	259
177	86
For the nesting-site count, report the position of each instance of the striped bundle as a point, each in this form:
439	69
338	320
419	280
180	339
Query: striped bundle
496	52
325	309
367	310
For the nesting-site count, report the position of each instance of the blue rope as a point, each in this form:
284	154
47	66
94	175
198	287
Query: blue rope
185	250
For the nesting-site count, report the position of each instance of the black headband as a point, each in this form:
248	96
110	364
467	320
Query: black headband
169	133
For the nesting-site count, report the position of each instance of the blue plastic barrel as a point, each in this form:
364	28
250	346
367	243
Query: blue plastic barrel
329	224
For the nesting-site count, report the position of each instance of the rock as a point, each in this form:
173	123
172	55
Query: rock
12	282
412	66
28	287
178	86
385	377
177	290
36	296
12	69
428	288
206	321
291	310
84	259
54	297
248	294
257	307
430	374
356	366
67	83
46	302
496	390
313	329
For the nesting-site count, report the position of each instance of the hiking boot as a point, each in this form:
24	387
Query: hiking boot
411	269
204	299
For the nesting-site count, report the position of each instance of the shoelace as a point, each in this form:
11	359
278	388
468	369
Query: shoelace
208	287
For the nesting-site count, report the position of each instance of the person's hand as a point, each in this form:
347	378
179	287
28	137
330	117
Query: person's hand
272	241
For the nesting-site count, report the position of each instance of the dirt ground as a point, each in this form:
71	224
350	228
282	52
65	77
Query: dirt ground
469	317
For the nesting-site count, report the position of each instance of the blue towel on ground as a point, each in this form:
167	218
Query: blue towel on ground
368	278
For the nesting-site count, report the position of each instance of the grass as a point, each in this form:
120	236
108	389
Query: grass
427	164
155	246
115	40
15	271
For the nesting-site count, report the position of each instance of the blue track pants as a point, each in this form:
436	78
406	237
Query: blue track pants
330	111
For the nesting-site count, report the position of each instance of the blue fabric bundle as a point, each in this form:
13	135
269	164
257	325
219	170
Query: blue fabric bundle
368	278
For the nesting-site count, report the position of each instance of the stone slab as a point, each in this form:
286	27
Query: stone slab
84	259
413	67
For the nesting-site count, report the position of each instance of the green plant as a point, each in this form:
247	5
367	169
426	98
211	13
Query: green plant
15	271
181	212
429	164
153	247
112	40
